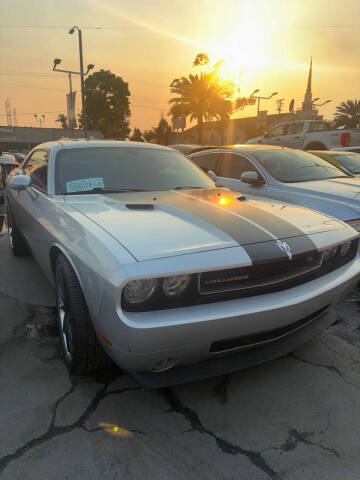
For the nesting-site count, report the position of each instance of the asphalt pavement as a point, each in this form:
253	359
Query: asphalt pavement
296	418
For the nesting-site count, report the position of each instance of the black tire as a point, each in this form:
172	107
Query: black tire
17	243
315	146
81	348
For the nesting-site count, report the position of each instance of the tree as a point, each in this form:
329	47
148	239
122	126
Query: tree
201	59
347	114
107	104
149	135
200	97
224	109
62	119
136	136
158	134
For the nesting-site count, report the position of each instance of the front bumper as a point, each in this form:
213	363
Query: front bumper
187	335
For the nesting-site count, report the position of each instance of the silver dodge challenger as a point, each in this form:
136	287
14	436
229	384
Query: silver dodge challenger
171	277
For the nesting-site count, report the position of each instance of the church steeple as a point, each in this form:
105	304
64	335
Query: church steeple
308	103
308	89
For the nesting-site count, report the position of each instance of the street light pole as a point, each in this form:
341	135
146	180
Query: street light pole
40	118
83	108
258	97
82	74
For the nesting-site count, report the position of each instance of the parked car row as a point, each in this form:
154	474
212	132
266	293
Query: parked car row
308	135
176	278
286	175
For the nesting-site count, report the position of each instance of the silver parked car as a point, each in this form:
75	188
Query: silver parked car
284	174
160	269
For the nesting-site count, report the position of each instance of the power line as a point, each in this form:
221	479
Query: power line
62	111
32	86
67	26
49	75
91	27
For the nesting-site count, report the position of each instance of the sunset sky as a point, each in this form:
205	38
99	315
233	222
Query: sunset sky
266	44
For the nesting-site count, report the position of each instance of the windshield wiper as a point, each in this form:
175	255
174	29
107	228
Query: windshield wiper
185	188
104	190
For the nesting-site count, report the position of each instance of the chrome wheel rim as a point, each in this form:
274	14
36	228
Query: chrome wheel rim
64	323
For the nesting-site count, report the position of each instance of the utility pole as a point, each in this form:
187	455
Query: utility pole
8	113
14	117
83	107
279	105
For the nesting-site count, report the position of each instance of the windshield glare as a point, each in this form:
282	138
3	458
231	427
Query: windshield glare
121	168
290	166
350	161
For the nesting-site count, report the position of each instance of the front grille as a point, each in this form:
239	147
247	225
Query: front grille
252	341
259	279
259	275
272	276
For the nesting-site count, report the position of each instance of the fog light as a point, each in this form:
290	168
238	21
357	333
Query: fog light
164	365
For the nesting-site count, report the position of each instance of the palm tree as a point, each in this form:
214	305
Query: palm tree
62	119
347	114
224	109
136	136
198	97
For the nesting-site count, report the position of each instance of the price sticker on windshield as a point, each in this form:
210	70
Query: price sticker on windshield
84	184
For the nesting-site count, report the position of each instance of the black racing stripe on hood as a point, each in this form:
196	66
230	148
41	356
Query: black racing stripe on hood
264	252
300	245
279	227
271	251
237	228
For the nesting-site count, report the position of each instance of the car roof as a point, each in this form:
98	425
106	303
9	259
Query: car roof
249	148
333	152
65	143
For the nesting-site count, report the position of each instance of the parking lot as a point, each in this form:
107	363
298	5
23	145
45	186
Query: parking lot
295	418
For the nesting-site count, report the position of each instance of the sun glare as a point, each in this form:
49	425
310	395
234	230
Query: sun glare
246	51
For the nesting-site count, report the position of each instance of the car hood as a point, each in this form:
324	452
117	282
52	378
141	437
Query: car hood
164	224
342	189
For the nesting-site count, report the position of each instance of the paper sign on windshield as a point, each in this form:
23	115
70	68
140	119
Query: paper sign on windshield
84	184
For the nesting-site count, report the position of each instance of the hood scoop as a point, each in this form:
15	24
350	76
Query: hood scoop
139	206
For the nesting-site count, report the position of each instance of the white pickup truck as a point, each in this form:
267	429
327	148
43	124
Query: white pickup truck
308	135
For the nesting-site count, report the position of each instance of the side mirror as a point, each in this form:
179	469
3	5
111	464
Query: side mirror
250	177
20	182
212	175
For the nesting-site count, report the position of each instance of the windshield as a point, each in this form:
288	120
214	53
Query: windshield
350	161
290	166
125	168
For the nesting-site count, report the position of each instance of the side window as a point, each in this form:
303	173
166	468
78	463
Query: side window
233	165
295	128
319	126
276	132
206	161
36	168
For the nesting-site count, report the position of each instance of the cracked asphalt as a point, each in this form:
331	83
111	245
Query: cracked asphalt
296	418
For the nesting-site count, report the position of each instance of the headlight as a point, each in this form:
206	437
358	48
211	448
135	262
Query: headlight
138	291
344	249
175	285
330	253
355	224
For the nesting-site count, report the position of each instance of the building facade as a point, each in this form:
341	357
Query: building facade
26	138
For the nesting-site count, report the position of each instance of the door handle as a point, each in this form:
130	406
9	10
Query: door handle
297	136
